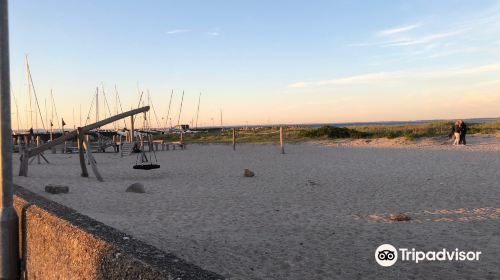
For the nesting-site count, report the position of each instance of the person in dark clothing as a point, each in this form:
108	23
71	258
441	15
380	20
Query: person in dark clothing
463	133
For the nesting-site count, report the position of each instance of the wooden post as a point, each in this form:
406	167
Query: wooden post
181	143
52	136
65	142
281	140
234	139
38	145
81	154
131	128
25	142
40	155
23	169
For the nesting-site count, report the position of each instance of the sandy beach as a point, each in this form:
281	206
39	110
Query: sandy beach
317	212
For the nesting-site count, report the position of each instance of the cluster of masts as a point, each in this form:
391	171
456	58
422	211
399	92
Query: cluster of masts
150	120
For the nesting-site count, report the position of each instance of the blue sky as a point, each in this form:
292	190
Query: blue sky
264	61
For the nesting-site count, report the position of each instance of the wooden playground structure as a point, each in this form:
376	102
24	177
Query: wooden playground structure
84	147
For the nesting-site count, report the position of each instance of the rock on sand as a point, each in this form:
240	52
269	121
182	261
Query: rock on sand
399	217
248	173
56	189
136	188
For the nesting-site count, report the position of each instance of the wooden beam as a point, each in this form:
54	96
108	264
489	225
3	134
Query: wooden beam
92	160
44	158
81	154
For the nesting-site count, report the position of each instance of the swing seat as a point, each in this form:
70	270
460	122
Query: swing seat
146	166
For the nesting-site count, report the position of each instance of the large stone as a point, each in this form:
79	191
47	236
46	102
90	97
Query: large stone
248	173
56	189
136	188
399	217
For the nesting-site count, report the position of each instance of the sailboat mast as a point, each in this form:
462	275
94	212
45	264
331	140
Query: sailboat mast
46	113
149	104
116	106
27	118
51	116
30	82
17	110
106	106
221	119
198	111
180	110
30	112
54	108
97	104
116	101
121	108
168	113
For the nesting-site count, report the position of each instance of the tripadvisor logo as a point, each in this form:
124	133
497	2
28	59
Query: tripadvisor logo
387	255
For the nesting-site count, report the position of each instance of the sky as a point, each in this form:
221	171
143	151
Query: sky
259	62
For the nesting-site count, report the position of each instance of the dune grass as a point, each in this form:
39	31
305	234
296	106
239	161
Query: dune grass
250	135
412	131
301	134
434	129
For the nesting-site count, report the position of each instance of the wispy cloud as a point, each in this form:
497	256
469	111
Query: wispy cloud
213	32
410	41
480	25
178	31
360	44
395	76
358	79
398	30
421	40
456	51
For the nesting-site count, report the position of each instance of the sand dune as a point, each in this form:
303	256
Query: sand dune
317	212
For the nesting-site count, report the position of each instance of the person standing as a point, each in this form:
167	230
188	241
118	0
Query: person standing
455	133
463	133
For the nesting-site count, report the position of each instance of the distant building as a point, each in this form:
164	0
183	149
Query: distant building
182	127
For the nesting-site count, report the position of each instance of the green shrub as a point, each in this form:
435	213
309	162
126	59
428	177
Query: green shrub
334	132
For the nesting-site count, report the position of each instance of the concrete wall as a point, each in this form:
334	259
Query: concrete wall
59	243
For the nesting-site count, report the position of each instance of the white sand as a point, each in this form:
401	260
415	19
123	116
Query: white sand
317	212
